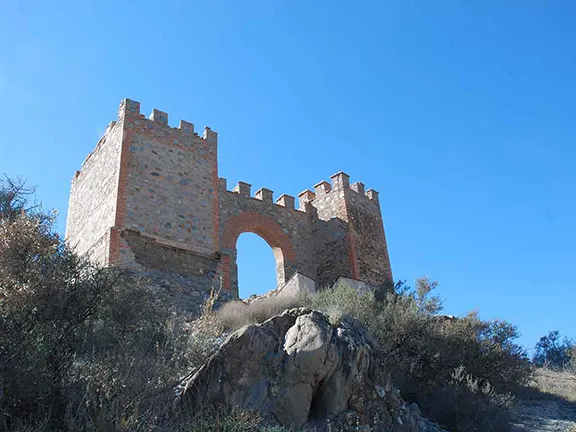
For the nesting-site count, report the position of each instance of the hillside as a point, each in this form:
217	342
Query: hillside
549	404
89	348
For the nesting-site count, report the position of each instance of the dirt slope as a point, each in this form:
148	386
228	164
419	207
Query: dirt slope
549	404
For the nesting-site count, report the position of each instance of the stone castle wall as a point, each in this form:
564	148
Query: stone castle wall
149	198
93	197
368	237
168	185
331	230
285	229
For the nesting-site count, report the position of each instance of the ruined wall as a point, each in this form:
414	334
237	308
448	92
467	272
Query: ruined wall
331	235
149	253
367	236
348	232
145	199
287	231
169	181
149	198
92	205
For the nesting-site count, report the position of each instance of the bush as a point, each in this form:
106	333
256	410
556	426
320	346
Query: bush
81	348
464	405
422	351
234	421
15	199
89	349
553	353
84	348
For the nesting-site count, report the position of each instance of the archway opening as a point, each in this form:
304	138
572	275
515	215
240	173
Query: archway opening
258	265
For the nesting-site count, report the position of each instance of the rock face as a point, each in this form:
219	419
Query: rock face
299	370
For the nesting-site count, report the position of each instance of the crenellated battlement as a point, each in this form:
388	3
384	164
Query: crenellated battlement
156	125
265	195
130	110
162	183
340	182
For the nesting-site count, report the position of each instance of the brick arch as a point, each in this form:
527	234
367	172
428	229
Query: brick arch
267	228
264	226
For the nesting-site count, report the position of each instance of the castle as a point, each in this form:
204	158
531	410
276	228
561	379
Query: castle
149	197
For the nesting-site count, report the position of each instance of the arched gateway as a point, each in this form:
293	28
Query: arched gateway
267	228
149	197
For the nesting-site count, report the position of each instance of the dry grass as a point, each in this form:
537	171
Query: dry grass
237	314
548	403
561	384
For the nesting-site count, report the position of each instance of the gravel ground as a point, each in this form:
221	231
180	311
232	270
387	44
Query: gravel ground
551	406
545	416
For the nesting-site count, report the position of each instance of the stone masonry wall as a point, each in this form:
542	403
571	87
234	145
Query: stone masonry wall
170	182
285	229
149	198
92	205
331	240
368	238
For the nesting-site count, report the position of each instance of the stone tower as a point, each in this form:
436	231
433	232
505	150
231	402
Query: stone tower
149	198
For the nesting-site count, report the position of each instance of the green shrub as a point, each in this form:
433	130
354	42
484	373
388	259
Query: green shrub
554	353
422	350
89	349
463	404
81	348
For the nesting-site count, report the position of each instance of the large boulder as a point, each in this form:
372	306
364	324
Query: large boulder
299	370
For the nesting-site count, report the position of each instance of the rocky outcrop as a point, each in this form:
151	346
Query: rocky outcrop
300	370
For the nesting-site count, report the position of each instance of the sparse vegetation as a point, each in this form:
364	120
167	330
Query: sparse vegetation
236	314
235	421
461	372
561	384
555	353
81	348
88	349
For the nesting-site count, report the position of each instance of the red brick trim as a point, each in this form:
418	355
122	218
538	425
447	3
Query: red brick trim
264	226
116	245
215	201
224	270
121	196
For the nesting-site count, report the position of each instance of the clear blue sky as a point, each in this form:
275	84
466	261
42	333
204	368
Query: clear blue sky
460	113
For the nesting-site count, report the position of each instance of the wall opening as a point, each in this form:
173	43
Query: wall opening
257	264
